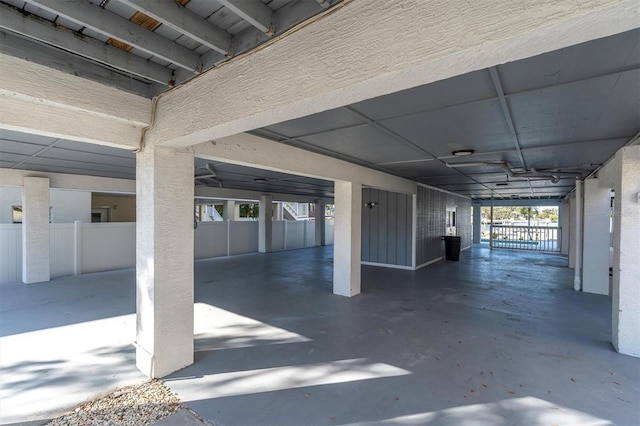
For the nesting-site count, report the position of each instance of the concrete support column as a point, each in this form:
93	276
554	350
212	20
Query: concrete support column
231	210
347	238
320	222
35	230
164	260
572	232
626	249
477	223
595	248
577	272
265	236
279	215
565	226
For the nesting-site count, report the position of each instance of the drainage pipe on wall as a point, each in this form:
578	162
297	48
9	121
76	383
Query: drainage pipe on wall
577	277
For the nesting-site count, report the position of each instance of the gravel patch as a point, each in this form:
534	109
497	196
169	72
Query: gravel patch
136	405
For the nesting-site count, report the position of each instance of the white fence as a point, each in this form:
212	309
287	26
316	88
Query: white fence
93	247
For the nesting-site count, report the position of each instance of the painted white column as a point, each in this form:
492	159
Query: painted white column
279	213
565	226
595	248
477	223
626	267
577	272
347	238
231	210
164	260
265	231
572	232
35	230
320	222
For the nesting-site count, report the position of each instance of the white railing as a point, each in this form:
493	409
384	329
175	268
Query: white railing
537	238
77	248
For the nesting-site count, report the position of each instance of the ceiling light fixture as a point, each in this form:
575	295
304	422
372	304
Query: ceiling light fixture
462	152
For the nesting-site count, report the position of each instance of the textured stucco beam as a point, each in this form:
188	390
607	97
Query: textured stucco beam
40	100
15	177
253	151
417	42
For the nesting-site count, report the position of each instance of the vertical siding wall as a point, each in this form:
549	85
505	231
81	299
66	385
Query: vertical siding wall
10	253
386	228
95	247
431	213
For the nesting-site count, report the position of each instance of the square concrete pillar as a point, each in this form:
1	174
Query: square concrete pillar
595	247
347	238
231	210
320	222
477	223
35	230
572	234
626	249
565	226
265	227
164	260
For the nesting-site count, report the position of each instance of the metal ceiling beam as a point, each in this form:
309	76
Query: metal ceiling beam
497	84
185	21
254	12
43	31
111	25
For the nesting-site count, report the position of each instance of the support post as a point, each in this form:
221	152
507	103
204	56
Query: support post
265	237
231	210
626	268
596	247
320	223
577	277
347	238
35	230
477	223
491	225
565	229
77	247
164	260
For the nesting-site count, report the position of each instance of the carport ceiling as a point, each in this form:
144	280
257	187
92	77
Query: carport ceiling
555	116
144	46
45	154
561	114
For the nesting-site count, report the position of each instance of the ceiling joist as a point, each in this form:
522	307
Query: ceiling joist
185	21
114	26
45	32
254	12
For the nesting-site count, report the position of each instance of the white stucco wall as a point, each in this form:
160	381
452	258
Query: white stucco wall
67	205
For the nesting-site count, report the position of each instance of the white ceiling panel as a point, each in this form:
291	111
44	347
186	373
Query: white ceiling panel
324	121
480	126
573	155
25	137
602	108
421	169
365	143
12	147
462	89
586	60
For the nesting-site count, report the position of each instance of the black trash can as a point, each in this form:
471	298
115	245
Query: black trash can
452	247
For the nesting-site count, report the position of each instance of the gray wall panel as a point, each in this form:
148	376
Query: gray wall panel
431	222
386	228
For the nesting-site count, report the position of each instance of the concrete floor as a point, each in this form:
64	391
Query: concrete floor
498	338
